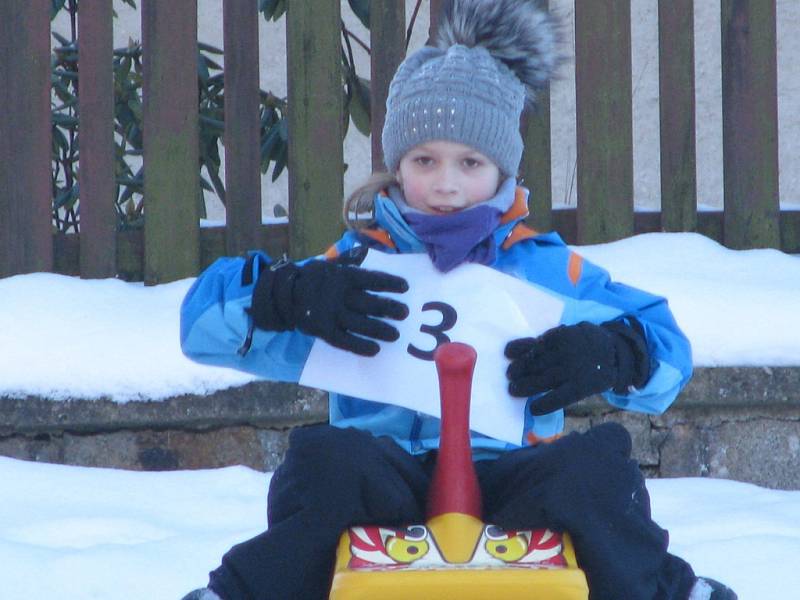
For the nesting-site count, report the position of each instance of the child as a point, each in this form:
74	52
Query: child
452	146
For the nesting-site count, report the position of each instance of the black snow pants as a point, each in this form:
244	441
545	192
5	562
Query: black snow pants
334	478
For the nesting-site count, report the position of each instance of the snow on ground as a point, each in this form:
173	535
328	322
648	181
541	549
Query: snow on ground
107	338
75	533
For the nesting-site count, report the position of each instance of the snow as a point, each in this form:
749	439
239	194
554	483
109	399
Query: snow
738	308
77	533
97	338
73	338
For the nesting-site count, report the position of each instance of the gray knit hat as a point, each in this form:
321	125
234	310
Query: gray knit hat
490	56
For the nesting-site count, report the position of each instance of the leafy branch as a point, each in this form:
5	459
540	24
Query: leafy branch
128	151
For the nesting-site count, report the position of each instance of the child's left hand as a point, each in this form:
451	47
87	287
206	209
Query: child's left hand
569	362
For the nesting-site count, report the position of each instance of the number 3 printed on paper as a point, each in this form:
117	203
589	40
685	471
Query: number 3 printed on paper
449	318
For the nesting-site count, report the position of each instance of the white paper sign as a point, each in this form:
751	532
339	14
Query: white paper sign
472	304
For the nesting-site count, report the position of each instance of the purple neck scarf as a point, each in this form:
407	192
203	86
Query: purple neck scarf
465	236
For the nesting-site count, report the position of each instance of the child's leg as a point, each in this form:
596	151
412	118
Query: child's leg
330	479
587	484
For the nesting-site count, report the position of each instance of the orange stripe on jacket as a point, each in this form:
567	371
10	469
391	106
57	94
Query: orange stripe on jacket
518	209
380	236
574	267
535	440
331	253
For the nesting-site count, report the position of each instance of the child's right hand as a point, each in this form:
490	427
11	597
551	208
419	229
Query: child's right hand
331	301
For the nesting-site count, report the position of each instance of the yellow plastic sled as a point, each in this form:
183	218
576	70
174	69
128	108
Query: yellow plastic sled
455	555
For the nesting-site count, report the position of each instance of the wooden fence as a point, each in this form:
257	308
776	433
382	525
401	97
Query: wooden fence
172	244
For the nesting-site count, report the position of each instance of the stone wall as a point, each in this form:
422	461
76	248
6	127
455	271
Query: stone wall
738	423
733	423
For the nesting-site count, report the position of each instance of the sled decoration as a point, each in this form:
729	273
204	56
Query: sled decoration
455	555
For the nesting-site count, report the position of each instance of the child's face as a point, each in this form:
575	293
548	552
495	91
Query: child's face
441	177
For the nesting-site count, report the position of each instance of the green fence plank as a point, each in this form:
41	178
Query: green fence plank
273	238
171	140
709	223
316	160
242	126
790	231
604	120
387	42
96	112
750	123
535	169
26	241
677	110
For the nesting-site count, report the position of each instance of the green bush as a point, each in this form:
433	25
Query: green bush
129	200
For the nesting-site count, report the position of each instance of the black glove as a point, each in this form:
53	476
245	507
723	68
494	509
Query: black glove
571	362
329	300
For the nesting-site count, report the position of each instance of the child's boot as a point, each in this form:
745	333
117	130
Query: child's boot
709	589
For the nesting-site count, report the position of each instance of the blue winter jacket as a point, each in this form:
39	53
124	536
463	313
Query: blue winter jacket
216	329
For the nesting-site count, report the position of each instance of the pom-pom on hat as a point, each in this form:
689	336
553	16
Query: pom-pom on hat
490	56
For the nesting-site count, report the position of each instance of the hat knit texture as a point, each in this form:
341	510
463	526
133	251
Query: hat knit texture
490	57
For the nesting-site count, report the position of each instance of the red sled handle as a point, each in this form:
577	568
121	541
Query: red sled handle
454	488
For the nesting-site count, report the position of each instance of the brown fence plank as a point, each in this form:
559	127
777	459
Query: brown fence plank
677	110
273	238
316	160
171	139
388	48
26	241
535	169
604	120
750	123
242	123
96	112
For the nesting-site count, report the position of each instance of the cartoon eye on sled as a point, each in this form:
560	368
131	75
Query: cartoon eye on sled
455	555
